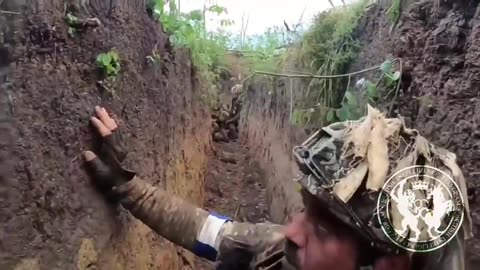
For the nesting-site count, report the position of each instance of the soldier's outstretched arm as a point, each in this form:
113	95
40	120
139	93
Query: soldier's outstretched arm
179	221
173	218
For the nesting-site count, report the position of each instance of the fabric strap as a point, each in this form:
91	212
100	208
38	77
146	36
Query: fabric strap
206	245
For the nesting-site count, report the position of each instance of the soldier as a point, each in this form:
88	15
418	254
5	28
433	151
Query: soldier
314	239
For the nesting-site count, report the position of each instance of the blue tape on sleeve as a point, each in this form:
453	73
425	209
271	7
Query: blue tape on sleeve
220	216
205	245
205	251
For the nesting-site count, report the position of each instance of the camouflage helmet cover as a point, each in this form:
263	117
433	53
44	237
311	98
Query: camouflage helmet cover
346	164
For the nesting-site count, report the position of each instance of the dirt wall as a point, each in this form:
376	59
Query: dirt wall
438	43
52	217
266	130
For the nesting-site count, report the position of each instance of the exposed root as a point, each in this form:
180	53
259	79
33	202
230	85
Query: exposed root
85	23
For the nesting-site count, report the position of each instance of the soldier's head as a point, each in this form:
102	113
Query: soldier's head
344	172
316	240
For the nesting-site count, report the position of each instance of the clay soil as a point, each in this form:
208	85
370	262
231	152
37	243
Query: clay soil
235	187
235	184
52	217
439	41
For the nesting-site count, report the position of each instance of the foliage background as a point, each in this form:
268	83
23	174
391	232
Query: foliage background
324	49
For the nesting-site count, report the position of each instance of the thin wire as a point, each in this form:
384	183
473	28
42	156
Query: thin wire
9	12
309	76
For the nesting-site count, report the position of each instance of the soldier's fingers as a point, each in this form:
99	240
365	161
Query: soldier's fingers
97	169
95	165
112	123
102	114
100	126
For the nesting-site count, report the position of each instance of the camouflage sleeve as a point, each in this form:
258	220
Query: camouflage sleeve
250	246
206	235
173	218
258	236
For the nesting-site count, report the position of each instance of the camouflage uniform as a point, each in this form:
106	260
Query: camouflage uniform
234	245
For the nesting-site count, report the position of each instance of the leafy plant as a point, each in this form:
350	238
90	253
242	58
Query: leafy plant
266	51
327	49
351	108
188	30
109	63
386	68
71	20
372	91
394	11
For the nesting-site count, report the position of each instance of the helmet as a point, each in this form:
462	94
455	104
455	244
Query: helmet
346	166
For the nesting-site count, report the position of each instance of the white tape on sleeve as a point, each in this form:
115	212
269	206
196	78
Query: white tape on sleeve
211	228
207	238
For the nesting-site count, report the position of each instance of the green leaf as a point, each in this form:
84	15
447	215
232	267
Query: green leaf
71	19
99	58
226	22
111	70
386	67
114	56
372	91
396	75
159	6
217	9
330	115
351	99
389	80
72	32
172	6
343	113
105	59
296	117
195	15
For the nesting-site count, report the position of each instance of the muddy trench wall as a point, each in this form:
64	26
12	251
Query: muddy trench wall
266	130
438	43
52	216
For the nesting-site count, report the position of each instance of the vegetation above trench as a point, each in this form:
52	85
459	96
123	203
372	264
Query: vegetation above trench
323	52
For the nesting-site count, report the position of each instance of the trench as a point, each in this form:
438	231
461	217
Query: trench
235	187
52	217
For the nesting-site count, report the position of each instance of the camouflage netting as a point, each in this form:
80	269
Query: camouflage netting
376	148
372	150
